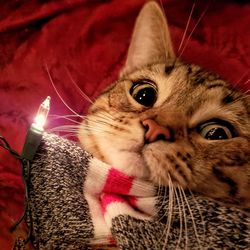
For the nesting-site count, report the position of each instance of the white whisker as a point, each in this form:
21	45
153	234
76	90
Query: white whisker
56	117
240	79
170	211
184	218
192	218
53	84
192	31
199	209
246	82
85	96
186	28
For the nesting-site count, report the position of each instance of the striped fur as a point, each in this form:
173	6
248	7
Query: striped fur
187	97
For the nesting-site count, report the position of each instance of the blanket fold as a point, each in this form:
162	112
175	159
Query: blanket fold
77	202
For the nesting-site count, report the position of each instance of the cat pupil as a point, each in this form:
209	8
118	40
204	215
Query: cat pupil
144	93
216	134
146	97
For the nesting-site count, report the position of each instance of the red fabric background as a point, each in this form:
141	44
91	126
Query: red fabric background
89	39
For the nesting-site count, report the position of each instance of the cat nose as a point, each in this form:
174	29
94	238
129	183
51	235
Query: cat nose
155	131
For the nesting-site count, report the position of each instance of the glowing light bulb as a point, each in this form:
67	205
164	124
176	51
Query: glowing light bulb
42	113
35	132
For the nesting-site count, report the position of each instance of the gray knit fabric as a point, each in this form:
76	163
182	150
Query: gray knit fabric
222	228
61	218
59	213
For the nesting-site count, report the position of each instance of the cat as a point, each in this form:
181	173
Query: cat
171	122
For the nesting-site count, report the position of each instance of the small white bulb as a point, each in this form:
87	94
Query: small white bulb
42	113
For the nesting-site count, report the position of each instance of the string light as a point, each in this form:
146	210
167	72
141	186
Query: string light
42	113
32	142
35	132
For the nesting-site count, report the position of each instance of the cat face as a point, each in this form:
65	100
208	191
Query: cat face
168	121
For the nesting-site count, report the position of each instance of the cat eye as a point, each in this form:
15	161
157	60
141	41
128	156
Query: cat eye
216	131
144	92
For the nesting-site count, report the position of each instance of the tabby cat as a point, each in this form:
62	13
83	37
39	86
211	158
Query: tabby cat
165	120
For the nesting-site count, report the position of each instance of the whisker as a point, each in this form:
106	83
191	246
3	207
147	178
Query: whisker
246	93
95	131
164	196
245	74
71	116
85	96
186	28
199	209
170	211
185	220
192	218
106	116
56	117
192	31
97	122
246	82
68	135
162	32
53	84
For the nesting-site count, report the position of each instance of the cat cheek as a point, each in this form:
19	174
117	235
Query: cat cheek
165	167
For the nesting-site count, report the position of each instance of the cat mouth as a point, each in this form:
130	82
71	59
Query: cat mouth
161	170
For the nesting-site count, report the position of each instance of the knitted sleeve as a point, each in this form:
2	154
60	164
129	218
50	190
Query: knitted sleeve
76	201
59	212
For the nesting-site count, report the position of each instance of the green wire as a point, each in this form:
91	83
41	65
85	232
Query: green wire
25	165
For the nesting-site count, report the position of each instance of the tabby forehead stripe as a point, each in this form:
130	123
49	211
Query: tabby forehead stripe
215	85
227	99
169	68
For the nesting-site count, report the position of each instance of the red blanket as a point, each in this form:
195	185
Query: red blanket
86	42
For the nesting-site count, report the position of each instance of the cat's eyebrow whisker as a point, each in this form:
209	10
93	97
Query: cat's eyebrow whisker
186	28
192	217
192	31
242	76
162	33
58	94
246	82
85	96
247	92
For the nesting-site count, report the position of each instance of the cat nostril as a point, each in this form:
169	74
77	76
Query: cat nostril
161	137
146	127
155	132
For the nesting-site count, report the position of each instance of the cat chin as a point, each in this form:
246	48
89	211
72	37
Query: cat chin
132	163
161	172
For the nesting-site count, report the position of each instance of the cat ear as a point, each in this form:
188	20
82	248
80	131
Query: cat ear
151	40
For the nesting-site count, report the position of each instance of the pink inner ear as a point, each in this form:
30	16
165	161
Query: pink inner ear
151	41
